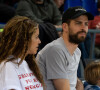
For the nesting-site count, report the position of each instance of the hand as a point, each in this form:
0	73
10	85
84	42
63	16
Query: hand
79	85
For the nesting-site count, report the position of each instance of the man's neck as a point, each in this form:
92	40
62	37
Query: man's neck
70	46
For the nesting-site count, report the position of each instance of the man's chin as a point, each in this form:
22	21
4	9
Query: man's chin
82	38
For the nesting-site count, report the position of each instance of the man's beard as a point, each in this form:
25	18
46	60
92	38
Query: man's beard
73	38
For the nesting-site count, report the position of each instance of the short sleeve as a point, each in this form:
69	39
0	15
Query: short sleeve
56	64
9	77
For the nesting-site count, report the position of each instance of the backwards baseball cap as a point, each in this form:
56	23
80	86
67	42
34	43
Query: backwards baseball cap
74	12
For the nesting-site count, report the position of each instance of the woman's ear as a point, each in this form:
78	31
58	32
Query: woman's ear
65	27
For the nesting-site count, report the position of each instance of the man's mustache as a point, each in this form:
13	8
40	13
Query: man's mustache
83	31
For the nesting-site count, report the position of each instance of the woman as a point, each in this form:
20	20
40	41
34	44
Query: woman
18	45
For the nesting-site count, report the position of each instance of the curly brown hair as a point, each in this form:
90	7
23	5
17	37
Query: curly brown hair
15	40
92	72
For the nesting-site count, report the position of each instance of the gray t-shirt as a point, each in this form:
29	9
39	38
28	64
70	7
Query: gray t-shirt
56	62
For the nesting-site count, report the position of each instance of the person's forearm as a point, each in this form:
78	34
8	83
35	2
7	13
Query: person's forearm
61	84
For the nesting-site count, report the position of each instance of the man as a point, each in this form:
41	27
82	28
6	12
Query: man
58	61
40	10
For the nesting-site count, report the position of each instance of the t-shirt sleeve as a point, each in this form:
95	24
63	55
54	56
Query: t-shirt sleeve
9	77
56	64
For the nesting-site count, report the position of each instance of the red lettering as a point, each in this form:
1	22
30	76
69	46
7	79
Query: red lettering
34	86
26	75
35	80
19	76
30	74
37	85
31	86
40	85
27	88
28	81
22	76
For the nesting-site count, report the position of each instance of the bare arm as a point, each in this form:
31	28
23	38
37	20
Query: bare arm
61	84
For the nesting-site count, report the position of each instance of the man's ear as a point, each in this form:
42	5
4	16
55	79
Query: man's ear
65	27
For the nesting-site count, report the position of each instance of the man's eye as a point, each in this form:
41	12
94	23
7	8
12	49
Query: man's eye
86	24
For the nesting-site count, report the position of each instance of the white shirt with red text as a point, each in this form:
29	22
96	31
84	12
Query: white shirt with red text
17	77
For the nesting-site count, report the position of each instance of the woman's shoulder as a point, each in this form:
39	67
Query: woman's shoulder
8	64
5	64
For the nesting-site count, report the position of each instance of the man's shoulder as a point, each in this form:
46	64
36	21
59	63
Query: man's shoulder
78	51
54	45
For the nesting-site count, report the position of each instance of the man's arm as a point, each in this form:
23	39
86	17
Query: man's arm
61	84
